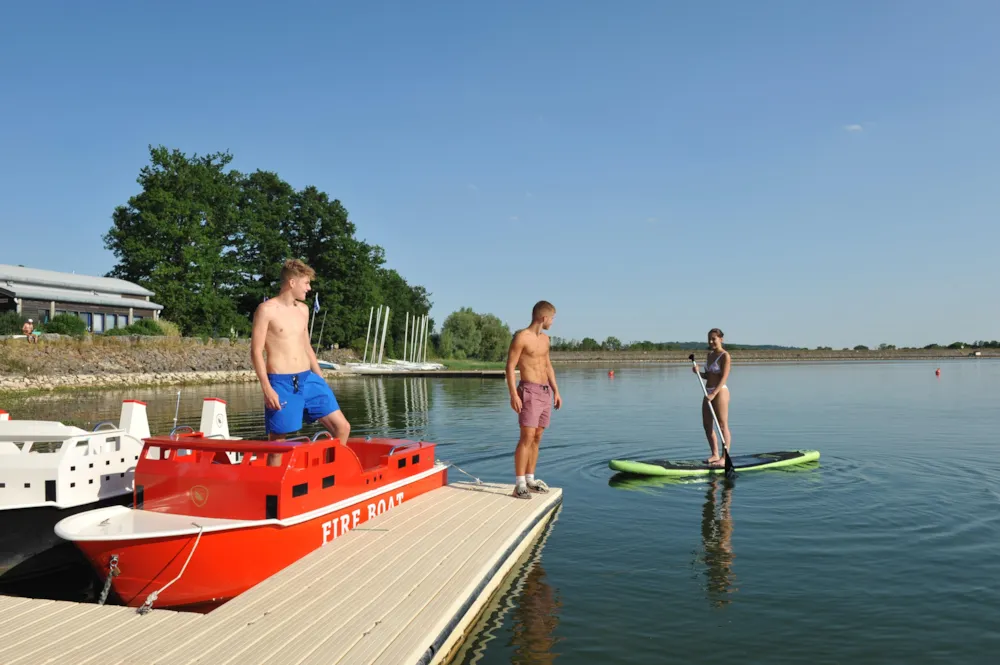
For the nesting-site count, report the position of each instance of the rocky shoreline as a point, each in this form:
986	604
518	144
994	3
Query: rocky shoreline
60	363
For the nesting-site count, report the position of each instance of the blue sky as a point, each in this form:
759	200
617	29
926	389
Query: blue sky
792	172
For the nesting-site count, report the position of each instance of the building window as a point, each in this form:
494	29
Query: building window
98	323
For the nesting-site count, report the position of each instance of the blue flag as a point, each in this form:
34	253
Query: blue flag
316	304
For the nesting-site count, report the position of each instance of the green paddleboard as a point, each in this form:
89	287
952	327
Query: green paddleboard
760	461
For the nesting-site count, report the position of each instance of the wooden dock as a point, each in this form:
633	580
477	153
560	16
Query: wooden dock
442	373
405	587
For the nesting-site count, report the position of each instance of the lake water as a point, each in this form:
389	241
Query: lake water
886	550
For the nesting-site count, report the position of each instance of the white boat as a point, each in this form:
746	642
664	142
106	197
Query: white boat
418	366
49	471
376	368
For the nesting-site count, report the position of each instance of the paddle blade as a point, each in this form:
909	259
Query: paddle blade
730	471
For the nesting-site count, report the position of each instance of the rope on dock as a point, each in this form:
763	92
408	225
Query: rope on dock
478	481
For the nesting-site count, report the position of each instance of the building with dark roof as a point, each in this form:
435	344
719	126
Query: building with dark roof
102	302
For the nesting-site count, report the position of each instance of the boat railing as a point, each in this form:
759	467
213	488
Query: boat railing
103	423
405	445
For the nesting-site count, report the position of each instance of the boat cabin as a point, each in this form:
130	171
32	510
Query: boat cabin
272	479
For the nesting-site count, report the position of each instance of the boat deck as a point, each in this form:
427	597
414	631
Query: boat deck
403	588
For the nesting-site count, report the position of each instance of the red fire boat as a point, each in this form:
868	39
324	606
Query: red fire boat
213	517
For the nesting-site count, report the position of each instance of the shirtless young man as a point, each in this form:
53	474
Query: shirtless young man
532	398
717	366
291	379
28	329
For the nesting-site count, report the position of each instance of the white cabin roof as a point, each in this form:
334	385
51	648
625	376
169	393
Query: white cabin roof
30	430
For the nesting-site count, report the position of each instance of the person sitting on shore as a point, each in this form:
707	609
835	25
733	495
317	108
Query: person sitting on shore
28	329
291	378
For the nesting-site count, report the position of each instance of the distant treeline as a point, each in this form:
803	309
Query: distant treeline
615	344
979	344
210	242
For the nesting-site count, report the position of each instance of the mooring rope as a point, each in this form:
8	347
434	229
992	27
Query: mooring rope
151	598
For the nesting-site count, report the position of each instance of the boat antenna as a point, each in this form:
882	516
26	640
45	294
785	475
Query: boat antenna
177	409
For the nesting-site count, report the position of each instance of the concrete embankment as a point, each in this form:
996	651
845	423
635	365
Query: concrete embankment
59	362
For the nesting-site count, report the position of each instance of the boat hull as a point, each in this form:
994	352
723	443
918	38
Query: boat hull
29	547
224	564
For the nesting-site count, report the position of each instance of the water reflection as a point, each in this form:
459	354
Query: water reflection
716	553
397	407
532	607
717	541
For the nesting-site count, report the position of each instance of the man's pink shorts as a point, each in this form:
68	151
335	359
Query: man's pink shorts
536	404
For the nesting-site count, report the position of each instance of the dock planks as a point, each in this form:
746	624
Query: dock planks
404	587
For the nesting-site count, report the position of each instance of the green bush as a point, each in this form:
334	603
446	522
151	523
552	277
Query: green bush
169	328
66	324
10	323
145	327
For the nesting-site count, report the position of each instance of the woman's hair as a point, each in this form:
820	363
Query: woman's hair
716	331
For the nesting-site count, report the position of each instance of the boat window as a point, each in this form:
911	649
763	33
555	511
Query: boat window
116	441
329	481
82	448
402	463
300	489
3	485
46	447
153	452
19	444
416	459
329	455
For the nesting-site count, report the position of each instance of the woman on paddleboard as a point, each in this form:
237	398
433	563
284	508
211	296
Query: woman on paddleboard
717	366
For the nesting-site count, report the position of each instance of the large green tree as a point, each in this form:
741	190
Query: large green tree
171	238
210	243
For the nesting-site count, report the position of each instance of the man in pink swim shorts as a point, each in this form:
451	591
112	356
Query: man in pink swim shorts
533	397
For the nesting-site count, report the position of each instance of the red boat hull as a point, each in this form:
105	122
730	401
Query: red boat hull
227	563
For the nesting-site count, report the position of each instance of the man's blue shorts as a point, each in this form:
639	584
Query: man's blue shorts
303	394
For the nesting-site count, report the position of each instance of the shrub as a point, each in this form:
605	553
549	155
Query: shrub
10	323
145	327
66	324
169	328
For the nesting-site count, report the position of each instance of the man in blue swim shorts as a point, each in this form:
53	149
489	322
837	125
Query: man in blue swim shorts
291	380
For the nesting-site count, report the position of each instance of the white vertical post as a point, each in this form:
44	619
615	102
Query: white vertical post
423	332
378	320
385	329
406	329
368	334
427	334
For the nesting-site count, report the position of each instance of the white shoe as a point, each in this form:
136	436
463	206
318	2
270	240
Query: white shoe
537	485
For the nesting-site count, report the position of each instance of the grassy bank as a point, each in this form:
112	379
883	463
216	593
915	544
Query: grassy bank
471	364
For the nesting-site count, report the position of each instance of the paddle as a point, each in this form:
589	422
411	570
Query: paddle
730	471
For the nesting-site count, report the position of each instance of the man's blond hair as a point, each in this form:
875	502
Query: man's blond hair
542	309
294	268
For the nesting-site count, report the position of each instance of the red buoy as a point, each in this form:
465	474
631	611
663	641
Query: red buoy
937	372
611	373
